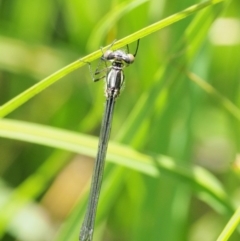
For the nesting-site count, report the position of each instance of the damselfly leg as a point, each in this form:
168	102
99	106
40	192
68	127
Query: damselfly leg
108	57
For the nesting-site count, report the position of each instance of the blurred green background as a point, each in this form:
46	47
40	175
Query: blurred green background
180	100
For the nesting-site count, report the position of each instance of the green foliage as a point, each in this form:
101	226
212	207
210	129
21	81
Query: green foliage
172	170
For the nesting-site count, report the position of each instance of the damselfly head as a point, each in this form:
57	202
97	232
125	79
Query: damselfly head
118	56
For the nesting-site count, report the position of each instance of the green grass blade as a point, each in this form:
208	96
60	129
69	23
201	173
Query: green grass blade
230	227
119	154
37	88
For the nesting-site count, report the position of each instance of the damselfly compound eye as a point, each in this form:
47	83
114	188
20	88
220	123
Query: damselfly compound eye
131	58
107	54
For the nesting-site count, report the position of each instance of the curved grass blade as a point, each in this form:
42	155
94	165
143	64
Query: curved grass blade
205	182
43	84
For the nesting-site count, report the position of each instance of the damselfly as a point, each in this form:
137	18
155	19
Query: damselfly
114	76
